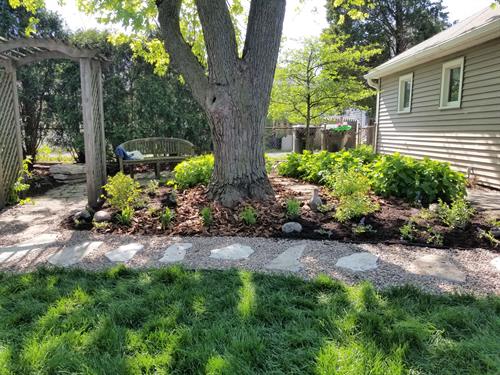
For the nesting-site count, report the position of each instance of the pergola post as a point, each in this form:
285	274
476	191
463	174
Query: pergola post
11	150
93	128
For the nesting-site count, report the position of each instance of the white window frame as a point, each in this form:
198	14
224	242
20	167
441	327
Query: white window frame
401	92
445	83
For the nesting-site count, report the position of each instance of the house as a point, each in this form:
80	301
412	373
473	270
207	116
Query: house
441	98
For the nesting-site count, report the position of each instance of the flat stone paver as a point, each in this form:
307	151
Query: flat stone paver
125	252
71	255
232	252
289	260
358	262
438	266
176	252
496	263
18	251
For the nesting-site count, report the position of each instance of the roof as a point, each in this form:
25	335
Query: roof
22	51
478	28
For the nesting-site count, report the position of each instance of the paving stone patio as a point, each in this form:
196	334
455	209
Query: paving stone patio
71	255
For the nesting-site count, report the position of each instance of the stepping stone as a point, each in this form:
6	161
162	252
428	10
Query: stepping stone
288	260
71	255
175	252
125	252
358	262
232	252
437	266
496	263
17	252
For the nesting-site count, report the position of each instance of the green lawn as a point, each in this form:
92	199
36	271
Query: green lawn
234	322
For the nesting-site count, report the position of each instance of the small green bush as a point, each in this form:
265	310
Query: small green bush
455	215
166	217
424	181
249	216
123	192
354	206
20	186
408	231
344	183
152	187
125	216
292	208
434	237
290	167
206	216
194	171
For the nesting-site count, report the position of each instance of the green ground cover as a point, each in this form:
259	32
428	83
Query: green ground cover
176	321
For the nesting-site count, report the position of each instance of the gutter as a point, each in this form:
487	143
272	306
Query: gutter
470	39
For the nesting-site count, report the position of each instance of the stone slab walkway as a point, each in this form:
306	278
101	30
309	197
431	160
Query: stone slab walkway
31	237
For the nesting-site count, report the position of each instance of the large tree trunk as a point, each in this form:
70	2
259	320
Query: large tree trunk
237	132
235	95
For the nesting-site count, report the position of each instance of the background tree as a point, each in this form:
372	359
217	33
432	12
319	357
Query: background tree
396	25
320	79
37	86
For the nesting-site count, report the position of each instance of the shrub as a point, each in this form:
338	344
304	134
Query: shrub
292	208
125	216
20	186
424	181
344	183
166	217
290	167
455	215
408	231
434	237
249	216
123	192
152	187
206	216
354	206
194	171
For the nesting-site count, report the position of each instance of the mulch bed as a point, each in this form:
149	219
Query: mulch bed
271	215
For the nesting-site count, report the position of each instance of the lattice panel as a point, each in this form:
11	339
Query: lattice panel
9	142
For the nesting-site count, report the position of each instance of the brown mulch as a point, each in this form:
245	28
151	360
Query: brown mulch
271	215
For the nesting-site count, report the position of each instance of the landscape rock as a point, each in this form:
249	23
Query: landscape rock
291	227
438	266
315	201
102	216
125	252
358	262
83	215
68	173
71	255
232	252
496	233
434	207
175	253
289	260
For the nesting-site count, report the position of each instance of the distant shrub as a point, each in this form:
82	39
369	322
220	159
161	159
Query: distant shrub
457	214
424	181
206	216
292	208
123	192
249	216
166	217
290	167
194	171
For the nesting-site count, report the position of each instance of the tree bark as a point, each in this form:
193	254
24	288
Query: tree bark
235	95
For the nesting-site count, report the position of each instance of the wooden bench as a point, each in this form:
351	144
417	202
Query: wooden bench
157	151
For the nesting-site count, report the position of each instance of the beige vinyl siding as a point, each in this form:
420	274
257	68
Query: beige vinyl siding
467	137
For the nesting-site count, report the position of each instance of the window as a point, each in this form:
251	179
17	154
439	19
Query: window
405	92
451	84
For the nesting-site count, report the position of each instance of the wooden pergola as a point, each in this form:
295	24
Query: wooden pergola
15	53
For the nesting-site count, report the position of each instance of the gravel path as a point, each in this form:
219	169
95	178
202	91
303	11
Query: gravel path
395	264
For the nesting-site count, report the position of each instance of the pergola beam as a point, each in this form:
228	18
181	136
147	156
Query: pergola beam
48	44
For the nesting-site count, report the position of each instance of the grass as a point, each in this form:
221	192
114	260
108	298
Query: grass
235	322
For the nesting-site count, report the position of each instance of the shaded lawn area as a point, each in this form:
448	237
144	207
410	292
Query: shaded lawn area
176	321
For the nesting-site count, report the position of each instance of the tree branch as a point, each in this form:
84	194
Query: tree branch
183	59
220	39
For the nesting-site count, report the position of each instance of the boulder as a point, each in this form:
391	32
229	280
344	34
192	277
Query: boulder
102	216
496	233
83	215
291	227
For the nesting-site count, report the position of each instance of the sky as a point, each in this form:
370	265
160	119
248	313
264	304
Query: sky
301	20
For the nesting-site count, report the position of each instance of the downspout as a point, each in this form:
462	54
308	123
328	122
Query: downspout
376	84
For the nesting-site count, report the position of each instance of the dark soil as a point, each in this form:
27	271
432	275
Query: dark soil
382	227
